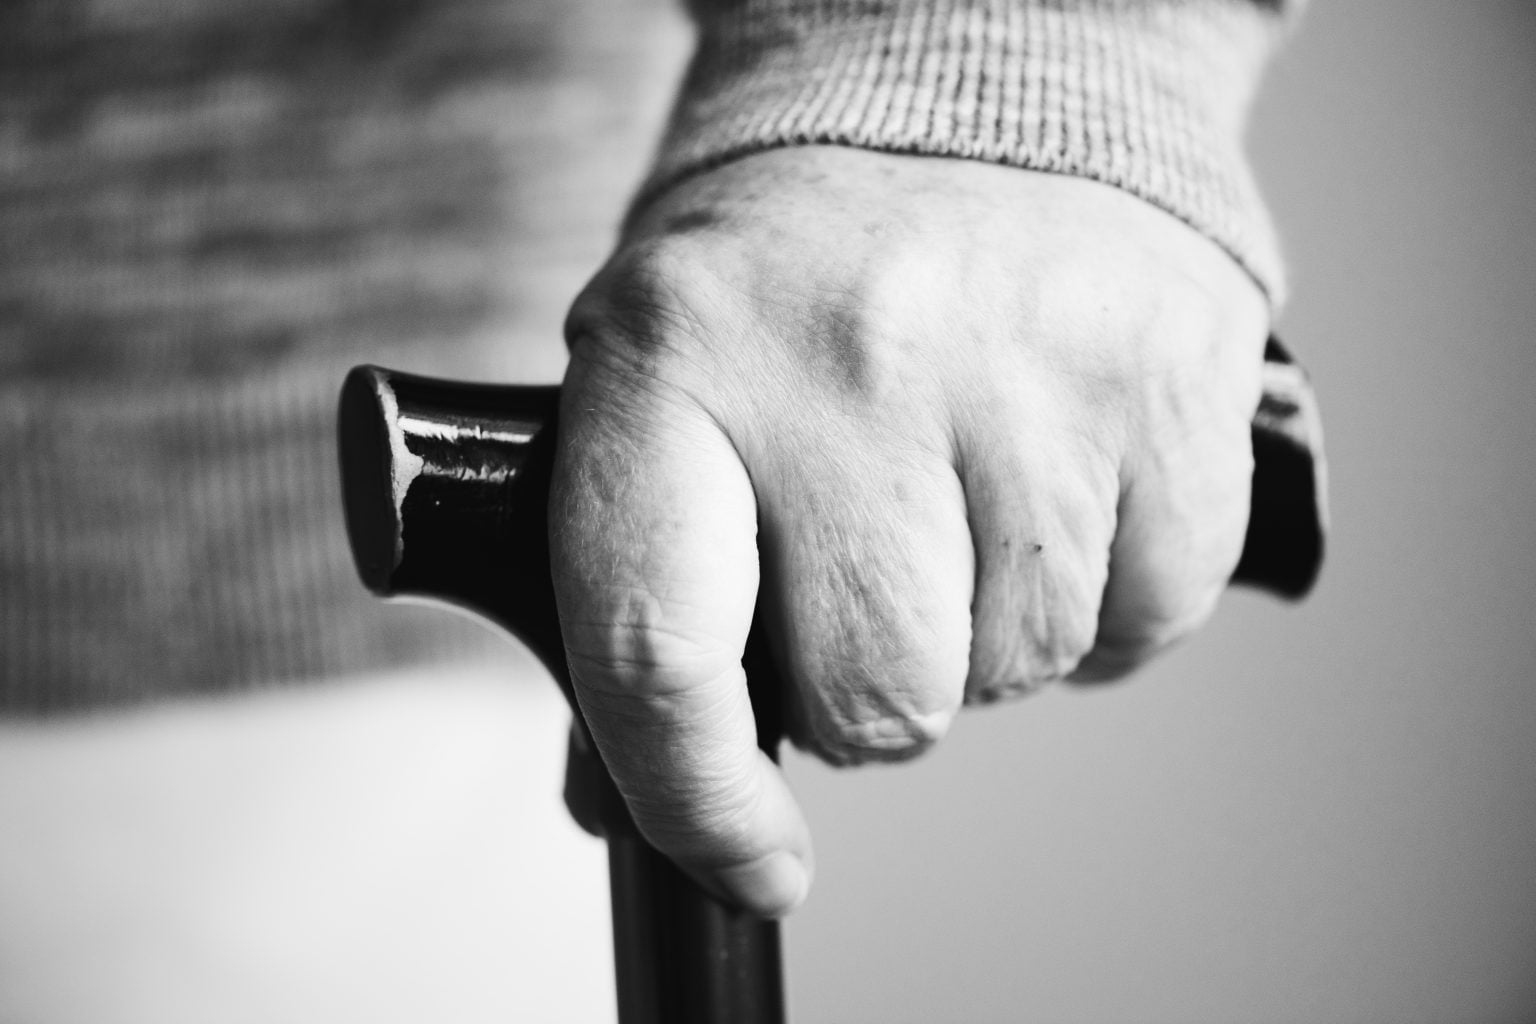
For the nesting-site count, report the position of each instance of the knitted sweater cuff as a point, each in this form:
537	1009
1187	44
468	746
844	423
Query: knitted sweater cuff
1146	96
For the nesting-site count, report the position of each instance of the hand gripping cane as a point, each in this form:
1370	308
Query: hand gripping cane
446	488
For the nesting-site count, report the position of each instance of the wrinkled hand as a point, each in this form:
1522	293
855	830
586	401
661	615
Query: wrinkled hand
974	429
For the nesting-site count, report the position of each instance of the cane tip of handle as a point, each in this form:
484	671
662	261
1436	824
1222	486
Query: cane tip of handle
369	475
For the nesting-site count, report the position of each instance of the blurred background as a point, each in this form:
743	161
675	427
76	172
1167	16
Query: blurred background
1315	813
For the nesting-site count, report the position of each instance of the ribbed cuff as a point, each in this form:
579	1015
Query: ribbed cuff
1149	97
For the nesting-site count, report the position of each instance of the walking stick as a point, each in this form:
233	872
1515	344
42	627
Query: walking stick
446	486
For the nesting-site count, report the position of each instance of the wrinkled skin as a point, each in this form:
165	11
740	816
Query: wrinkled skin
971	429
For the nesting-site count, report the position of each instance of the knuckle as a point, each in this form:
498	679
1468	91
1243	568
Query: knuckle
655	297
1002	681
1051	650
1010	670
1177	616
896	736
1129	645
1112	660
891	710
630	649
880	658
1044	628
1001	690
1136	643
1066	648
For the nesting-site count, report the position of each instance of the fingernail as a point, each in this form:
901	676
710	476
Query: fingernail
771	886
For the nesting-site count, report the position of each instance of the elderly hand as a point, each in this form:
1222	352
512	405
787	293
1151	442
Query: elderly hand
970	430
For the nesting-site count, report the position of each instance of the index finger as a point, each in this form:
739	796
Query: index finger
654	558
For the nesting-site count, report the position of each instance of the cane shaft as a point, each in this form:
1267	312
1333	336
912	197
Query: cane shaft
680	957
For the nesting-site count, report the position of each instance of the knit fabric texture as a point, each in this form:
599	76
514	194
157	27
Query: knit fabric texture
1146	95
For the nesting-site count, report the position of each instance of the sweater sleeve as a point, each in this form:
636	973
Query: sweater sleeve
1146	95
